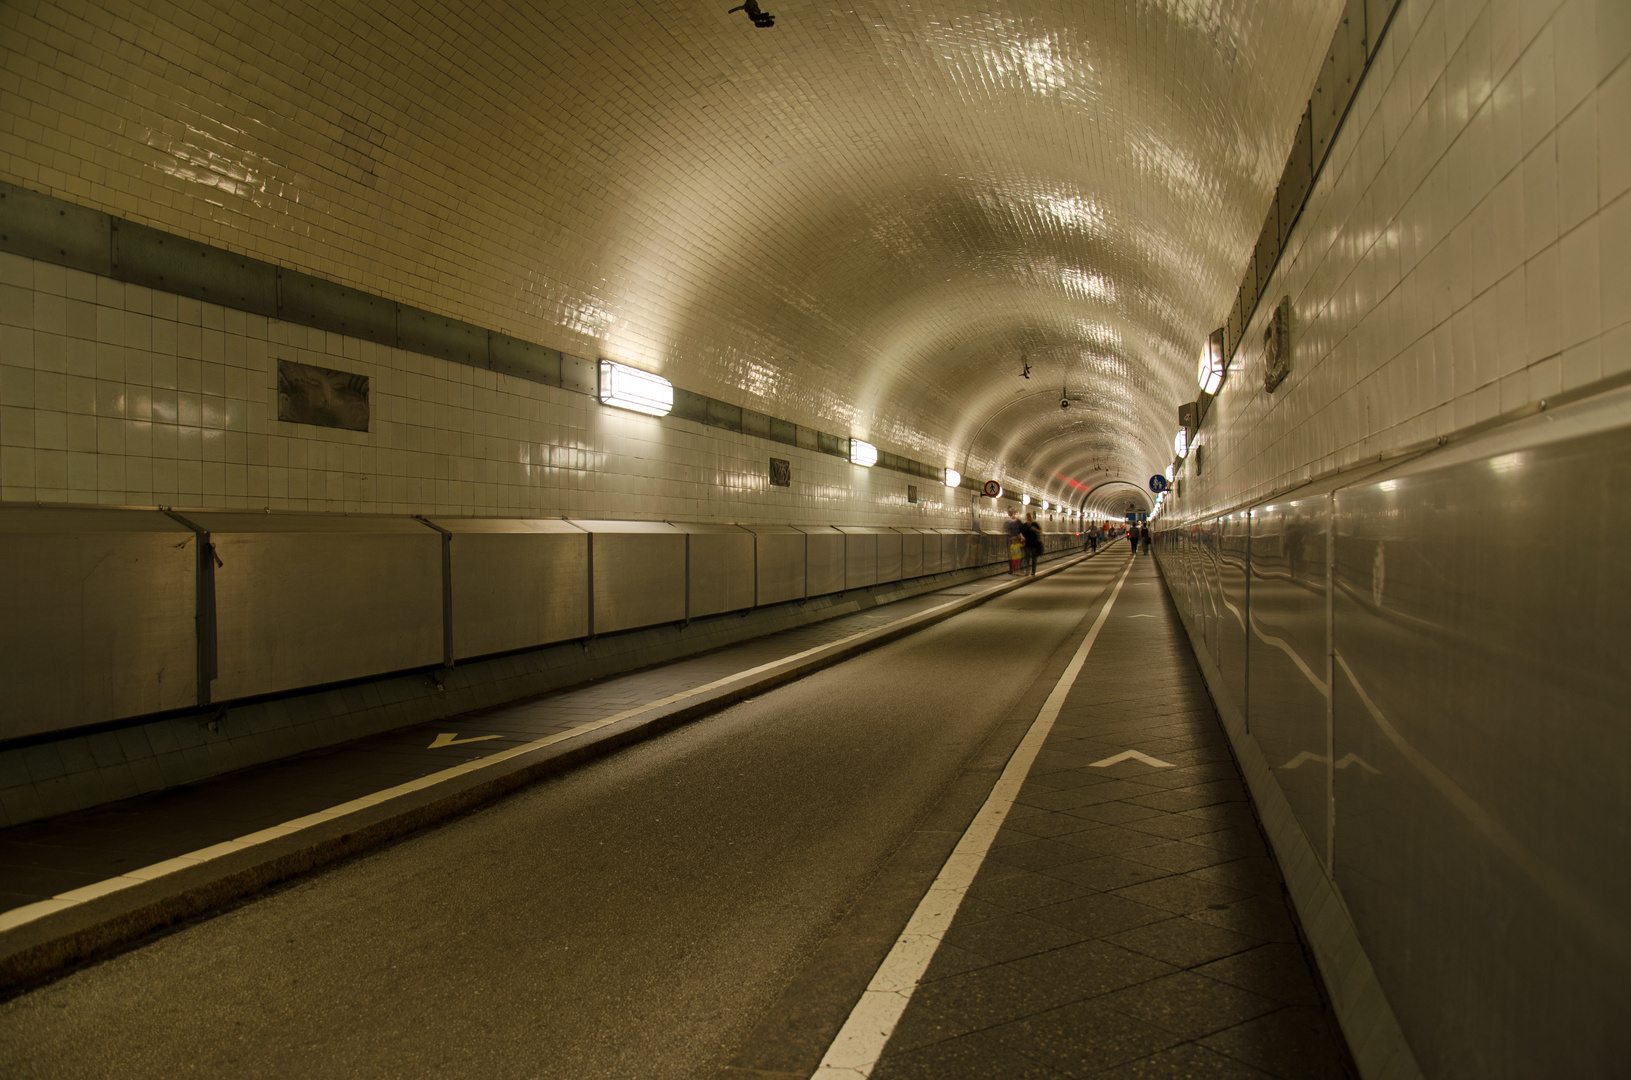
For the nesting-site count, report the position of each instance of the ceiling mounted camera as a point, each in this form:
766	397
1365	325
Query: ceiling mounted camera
1064	403
764	20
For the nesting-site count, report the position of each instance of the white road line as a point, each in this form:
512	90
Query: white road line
859	1044
20	916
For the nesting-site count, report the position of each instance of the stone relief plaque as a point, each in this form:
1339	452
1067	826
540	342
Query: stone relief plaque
321	396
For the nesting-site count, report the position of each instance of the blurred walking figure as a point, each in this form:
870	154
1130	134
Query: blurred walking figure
1144	536
1091	538
1033	542
1132	538
1016	541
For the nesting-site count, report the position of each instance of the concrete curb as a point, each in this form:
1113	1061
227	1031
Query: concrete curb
46	947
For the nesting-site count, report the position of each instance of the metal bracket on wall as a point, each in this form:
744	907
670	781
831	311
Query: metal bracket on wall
447	588
203	604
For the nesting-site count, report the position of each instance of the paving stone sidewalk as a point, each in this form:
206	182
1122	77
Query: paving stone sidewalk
1129	921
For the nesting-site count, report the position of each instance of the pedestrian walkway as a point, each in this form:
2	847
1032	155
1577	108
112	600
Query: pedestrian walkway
44	859
1128	921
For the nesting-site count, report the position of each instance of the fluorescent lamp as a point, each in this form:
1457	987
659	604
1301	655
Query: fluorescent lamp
1024	500
1169	474
631	388
1180	444
862	453
1044	504
953	478
1210	372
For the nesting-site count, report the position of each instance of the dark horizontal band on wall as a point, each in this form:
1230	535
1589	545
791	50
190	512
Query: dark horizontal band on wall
1353	47
49	229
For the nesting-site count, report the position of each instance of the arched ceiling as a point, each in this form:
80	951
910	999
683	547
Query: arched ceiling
865	219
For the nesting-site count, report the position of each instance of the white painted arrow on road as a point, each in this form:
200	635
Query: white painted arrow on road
451	738
1132	755
1141	616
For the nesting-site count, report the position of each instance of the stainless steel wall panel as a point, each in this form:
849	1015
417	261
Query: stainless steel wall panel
720	568
1287	653
931	551
1234	531
823	560
779	559
911	553
517	583
860	557
96	617
1483	750
638	574
954	549
307	599
1212	572
889	556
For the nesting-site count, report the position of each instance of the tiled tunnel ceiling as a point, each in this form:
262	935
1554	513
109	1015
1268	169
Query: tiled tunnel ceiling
866	219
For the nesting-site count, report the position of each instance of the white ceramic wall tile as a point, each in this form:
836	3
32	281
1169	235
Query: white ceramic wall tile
1481	264
114	394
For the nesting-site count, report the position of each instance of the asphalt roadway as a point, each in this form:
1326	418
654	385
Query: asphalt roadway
634	918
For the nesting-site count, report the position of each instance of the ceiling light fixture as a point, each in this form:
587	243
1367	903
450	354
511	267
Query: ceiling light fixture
862	452
1210	372
953	478
631	388
1180	443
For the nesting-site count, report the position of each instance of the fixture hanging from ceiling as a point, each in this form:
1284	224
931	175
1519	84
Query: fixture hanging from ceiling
764	20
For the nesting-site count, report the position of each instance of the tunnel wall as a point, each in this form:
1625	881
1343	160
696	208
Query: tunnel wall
1402	568
113	393
141	648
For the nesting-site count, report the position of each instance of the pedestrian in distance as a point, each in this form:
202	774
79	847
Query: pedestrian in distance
1090	538
1016	541
1132	538
1033	542
1144	537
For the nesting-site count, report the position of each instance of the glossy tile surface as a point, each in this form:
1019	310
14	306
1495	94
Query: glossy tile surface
867	219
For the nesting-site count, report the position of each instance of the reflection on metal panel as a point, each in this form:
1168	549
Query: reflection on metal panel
889	556
96	617
911	553
860	557
720	568
1483	746
1212	588
516	583
931	551
638	574
955	549
1288	646
779	560
307	599
823	560
1233	537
